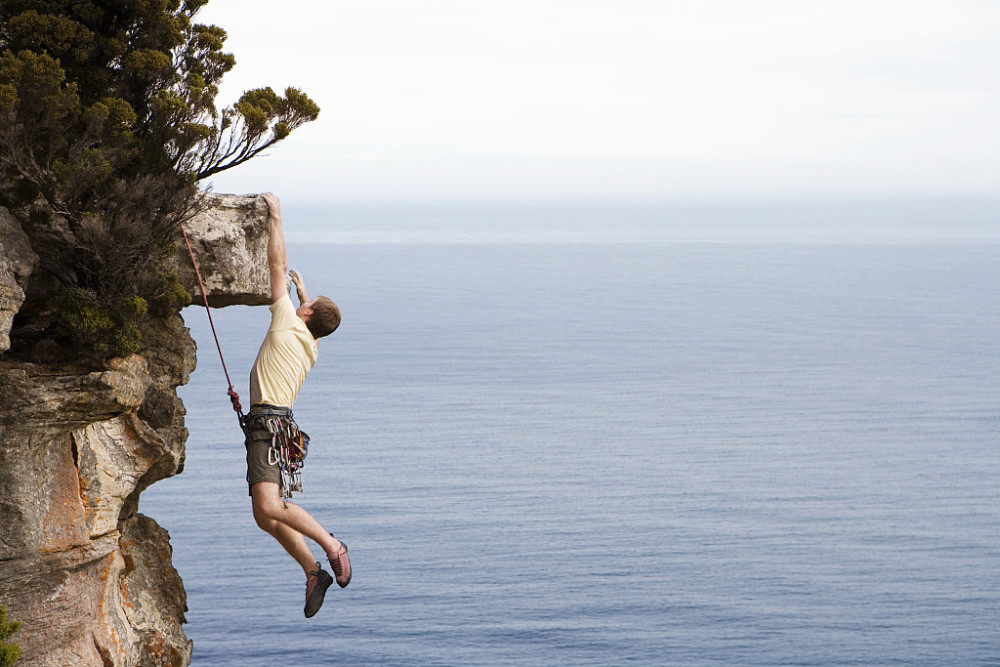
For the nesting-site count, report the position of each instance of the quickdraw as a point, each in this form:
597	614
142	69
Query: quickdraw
289	447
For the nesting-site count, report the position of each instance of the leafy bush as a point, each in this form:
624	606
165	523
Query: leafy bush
81	317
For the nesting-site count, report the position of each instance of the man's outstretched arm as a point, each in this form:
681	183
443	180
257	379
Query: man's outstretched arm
300	286
277	256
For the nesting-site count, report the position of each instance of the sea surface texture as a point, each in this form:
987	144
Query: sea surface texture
620	436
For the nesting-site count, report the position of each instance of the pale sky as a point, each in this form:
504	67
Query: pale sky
622	99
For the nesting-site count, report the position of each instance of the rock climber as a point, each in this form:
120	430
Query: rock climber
285	358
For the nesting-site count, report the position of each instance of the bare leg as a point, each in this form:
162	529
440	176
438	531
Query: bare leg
288	524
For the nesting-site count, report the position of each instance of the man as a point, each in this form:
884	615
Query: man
286	356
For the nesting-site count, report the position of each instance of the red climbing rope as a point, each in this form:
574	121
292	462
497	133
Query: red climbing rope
233	396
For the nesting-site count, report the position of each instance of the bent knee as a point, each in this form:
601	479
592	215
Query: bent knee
266	499
264	520
266	513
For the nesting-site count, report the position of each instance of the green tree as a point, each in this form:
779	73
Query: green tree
9	652
108	120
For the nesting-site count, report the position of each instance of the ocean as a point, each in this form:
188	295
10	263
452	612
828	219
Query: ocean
634	435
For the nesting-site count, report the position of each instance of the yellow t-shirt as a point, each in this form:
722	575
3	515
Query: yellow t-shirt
286	356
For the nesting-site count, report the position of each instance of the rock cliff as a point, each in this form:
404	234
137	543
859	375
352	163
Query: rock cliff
90	578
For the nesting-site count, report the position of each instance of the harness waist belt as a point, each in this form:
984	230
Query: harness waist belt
265	410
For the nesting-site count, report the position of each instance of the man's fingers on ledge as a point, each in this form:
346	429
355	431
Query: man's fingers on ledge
270	199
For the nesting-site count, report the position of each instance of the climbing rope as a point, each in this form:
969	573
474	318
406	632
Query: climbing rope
233	396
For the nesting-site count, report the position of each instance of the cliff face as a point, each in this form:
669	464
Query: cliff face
90	578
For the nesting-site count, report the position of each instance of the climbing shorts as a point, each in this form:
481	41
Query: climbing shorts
261	465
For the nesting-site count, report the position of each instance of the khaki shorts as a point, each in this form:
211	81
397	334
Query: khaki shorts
258	444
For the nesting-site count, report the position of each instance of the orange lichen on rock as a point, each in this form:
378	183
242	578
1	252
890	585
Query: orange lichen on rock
63	526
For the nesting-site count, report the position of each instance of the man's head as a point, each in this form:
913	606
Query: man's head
321	315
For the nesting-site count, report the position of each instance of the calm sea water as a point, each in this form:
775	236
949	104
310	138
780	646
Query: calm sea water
571	437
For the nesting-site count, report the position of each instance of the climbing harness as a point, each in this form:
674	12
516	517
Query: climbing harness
289	447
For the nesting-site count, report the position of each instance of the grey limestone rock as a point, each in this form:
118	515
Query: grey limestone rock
230	238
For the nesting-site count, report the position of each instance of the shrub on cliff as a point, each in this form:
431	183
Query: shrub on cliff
9	652
107	122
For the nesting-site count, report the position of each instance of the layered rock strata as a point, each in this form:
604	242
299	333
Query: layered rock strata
90	578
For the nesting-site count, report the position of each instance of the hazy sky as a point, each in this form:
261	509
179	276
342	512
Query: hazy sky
558	99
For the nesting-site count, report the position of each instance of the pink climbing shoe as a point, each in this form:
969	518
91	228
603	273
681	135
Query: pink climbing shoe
341	565
316	586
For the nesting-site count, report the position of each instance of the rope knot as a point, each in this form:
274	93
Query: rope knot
235	399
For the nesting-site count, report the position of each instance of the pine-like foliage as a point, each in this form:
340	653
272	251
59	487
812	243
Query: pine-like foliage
107	121
9	652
